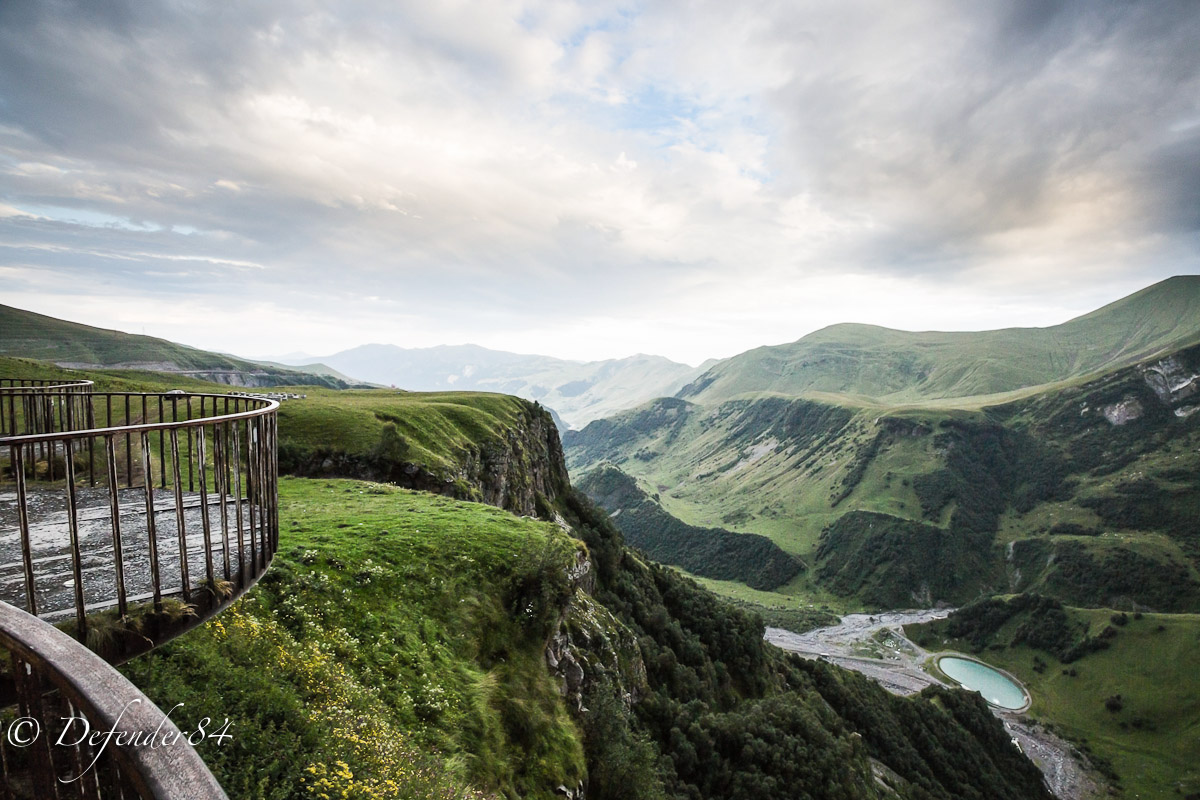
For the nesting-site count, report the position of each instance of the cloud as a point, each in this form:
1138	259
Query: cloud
494	162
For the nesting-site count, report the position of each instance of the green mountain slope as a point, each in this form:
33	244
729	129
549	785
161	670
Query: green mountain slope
900	367
25	334
709	552
1088	491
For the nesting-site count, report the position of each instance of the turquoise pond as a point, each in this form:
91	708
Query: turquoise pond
994	686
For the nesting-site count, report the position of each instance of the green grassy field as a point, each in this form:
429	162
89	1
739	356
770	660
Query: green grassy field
435	426
796	607
1152	739
381	641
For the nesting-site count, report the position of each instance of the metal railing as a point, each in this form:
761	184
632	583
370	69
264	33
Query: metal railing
81	730
114	502
114	498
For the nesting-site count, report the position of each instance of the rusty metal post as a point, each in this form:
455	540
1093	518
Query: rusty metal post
128	448
17	454
205	523
237	501
180	522
219	477
76	556
191	480
114	504
29	696
151	532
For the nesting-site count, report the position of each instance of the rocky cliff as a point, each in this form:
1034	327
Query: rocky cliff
520	468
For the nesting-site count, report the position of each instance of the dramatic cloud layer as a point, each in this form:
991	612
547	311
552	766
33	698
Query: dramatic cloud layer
590	179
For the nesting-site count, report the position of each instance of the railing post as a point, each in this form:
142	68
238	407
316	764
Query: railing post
180	522
114	504
151	532
18	459
76	556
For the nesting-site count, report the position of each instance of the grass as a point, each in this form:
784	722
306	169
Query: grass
798	602
435	427
388	652
1153	740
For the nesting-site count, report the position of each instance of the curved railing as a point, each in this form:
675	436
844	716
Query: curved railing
7	384
111	504
119	498
39	405
82	730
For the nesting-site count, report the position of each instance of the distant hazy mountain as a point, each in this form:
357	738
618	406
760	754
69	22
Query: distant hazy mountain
900	367
70	344
578	391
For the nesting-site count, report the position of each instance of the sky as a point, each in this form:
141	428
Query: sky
590	179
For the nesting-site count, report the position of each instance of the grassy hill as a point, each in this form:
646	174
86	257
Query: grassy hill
1087	491
379	656
709	552
398	647
1130	697
864	362
470	445
29	335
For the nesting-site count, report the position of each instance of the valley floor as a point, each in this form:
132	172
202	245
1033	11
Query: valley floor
875	645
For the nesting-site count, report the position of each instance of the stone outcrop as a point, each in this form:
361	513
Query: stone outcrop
1125	411
524	471
1172	380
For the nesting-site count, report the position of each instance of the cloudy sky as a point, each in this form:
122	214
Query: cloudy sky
590	179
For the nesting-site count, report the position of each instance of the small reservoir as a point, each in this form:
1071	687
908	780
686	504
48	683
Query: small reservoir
995	687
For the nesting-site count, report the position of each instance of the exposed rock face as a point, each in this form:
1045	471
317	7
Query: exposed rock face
1125	411
529	462
592	645
511	473
1172	380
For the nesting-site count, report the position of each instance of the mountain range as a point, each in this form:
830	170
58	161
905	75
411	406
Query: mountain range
577	391
866	363
911	468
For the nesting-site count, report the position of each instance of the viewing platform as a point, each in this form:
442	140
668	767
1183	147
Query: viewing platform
125	519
